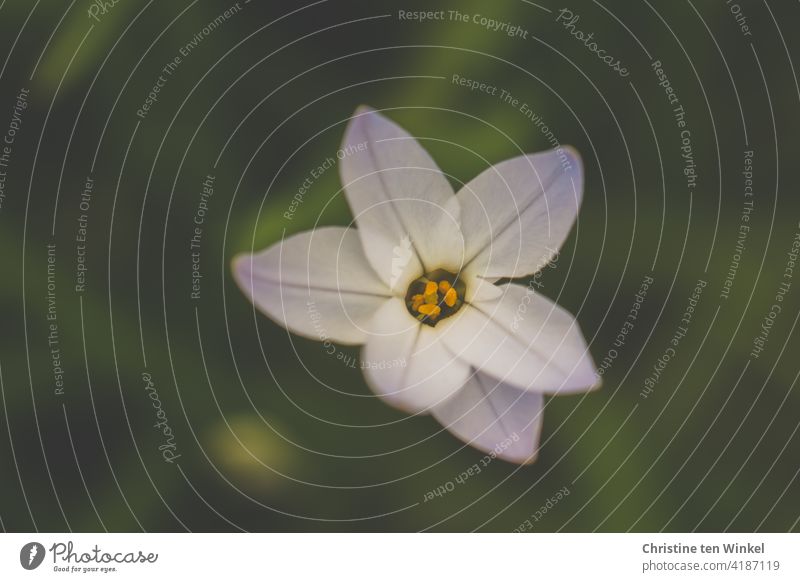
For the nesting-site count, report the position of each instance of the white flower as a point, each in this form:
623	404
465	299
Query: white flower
415	282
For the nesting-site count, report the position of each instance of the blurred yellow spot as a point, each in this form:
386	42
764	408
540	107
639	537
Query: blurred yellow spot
251	452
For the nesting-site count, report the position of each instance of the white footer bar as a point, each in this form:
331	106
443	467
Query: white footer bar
401	557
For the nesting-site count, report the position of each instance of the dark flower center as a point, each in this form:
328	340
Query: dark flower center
435	296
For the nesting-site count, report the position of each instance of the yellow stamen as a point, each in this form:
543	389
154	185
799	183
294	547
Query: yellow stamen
450	297
435	295
431	311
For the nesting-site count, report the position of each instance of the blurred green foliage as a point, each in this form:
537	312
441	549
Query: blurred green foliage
264	444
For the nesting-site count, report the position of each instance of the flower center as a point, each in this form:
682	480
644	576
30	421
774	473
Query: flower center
435	296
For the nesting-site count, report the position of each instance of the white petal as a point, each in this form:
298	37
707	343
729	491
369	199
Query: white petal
495	417
406	364
317	284
478	289
517	214
524	339
405	209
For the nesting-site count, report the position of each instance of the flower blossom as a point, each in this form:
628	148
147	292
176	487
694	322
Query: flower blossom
419	280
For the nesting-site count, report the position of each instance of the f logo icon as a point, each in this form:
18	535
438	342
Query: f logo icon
31	555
